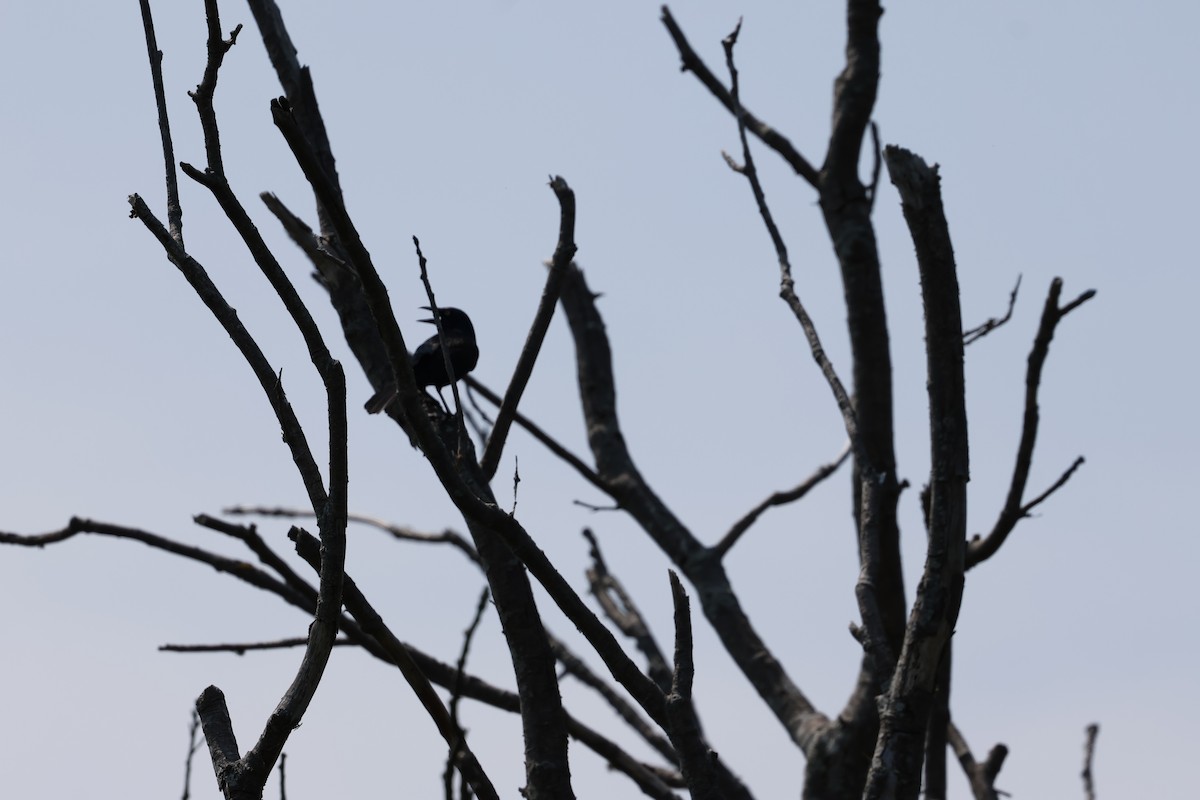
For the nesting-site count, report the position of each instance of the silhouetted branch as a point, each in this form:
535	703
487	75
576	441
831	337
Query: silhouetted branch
193	746
456	694
401	532
982	777
980	331
241	648
904	711
623	482
779	499
574	666
548	441
1089	753
787	287
694	756
1015	508
769	136
372	624
619	607
564	251
174	209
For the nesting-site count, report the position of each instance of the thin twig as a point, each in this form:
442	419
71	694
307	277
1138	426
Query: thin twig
401	532
787	289
193	746
769	136
441	332
980	331
1089	753
241	648
456	694
174	209
873	189
779	499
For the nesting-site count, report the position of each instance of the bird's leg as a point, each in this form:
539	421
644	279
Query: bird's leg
445	405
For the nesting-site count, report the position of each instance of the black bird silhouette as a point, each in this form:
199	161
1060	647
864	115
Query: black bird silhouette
429	364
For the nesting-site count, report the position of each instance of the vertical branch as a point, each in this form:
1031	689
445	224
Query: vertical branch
1089	753
904	711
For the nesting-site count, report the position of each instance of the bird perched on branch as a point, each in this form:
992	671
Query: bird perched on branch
429	363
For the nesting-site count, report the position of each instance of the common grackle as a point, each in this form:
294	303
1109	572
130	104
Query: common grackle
429	365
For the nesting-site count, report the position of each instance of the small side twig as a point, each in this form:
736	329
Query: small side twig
193	746
1089	753
980	331
778	499
876	148
401	532
690	62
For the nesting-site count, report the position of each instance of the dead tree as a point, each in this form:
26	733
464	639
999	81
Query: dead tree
889	739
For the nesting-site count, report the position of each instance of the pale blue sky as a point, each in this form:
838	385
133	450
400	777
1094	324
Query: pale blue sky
1066	135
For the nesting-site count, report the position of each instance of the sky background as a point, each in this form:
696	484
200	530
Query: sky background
1066	138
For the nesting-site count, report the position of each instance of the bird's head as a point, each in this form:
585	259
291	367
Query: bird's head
453	319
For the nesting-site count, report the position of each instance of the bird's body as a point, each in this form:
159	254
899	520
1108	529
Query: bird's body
429	365
429	362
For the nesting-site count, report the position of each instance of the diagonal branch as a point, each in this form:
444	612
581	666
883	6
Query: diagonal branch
778	499
980	331
787	288
624	482
563	253
769	136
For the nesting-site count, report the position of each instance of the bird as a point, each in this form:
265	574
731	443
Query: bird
429	363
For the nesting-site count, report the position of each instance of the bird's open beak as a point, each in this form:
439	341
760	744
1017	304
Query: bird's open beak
431	320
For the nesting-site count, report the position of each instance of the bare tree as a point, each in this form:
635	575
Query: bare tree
891	737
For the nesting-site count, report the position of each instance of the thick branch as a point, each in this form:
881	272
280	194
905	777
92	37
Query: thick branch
904	713
625	484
